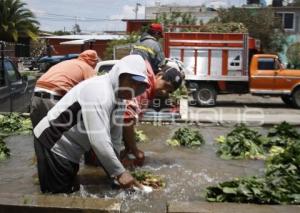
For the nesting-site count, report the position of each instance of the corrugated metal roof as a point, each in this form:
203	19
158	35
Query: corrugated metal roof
86	37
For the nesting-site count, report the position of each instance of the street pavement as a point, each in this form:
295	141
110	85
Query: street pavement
232	109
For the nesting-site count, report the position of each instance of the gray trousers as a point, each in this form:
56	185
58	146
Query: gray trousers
39	108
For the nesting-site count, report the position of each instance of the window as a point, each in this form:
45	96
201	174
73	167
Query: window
105	68
267	64
13	75
287	20
235	60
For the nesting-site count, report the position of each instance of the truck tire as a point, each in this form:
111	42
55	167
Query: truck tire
296	98
206	95
287	99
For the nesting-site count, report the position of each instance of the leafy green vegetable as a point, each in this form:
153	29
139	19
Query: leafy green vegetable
140	136
279	185
281	135
147	178
4	151
186	137
14	123
180	93
241	143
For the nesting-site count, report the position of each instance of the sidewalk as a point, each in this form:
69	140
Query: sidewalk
232	109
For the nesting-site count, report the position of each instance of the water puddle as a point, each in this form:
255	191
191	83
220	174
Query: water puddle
186	172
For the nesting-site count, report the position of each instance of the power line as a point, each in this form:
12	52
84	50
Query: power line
61	17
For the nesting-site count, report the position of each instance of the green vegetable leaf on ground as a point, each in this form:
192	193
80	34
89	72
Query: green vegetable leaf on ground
281	135
279	185
147	178
140	136
4	150
241	143
15	123
186	137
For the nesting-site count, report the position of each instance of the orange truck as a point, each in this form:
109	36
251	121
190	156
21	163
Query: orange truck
228	63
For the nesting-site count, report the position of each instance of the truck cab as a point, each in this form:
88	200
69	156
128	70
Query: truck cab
269	77
15	90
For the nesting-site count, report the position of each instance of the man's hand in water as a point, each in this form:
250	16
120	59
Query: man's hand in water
130	163
126	180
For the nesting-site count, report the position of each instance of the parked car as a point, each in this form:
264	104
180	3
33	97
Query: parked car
105	66
15	90
31	63
46	62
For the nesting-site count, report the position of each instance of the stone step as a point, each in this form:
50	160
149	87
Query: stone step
17	203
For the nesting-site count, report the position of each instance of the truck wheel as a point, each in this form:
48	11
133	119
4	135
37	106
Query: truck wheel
287	99
206	95
296	98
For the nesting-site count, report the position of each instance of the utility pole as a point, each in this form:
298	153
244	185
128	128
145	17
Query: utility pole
136	9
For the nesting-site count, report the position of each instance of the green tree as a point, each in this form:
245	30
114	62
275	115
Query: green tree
76	29
176	18
60	32
127	40
16	20
261	23
293	55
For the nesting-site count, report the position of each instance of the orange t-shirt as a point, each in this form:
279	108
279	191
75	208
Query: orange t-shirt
63	76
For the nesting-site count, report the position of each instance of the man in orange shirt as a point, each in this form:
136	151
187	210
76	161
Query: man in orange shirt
58	80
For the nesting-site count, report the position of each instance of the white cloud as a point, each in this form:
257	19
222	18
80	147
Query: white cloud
38	12
128	12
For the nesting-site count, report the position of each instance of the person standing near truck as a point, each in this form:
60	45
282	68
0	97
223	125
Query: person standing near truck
149	47
163	81
58	80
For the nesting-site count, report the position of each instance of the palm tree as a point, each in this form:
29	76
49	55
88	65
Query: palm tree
16	21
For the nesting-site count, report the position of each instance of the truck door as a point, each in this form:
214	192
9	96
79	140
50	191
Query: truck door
17	87
263	75
4	92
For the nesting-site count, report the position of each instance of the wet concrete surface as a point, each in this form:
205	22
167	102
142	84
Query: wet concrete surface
203	207
186	172
245	108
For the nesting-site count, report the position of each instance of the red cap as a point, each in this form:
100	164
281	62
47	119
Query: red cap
156	27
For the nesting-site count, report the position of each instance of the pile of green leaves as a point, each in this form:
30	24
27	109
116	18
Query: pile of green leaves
180	93
241	143
279	185
140	136
281	135
186	137
147	178
14	123
4	151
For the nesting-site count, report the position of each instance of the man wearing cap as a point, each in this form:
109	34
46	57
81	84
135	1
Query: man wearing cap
149	47
161	85
87	117
58	80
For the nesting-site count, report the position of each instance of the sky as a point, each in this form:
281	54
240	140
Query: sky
100	15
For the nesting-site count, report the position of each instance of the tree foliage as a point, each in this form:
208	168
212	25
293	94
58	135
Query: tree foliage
176	18
261	23
130	39
293	55
16	20
60	32
76	29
